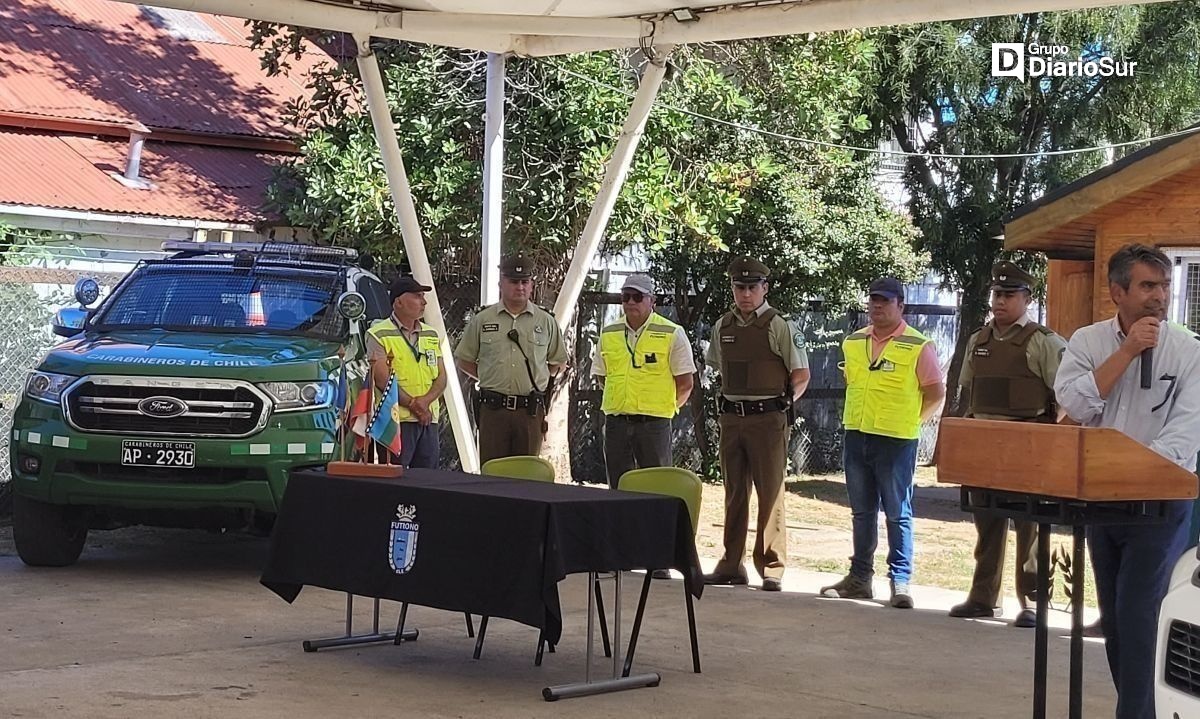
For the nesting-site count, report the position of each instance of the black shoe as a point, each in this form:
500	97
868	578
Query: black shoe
972	610
1026	618
772	584
716	578
661	574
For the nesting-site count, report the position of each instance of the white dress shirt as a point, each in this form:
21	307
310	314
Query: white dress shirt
1165	418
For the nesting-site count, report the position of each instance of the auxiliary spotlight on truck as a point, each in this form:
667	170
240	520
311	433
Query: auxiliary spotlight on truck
186	397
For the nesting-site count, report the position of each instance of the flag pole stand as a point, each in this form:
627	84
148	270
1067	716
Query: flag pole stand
371	467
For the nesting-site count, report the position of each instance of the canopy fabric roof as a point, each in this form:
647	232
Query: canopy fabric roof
551	27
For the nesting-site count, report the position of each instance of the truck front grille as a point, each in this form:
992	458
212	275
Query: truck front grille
1183	657
204	407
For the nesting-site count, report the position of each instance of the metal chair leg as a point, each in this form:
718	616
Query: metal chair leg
603	620
537	658
691	611
483	621
637	625
400	623
470	626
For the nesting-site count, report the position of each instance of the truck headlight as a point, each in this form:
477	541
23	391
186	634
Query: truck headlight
292	396
47	386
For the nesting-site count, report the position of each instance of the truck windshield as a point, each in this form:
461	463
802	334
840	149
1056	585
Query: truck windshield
214	297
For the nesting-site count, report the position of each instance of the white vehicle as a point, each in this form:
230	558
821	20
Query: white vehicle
1177	667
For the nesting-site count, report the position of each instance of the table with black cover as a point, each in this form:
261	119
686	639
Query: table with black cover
483	545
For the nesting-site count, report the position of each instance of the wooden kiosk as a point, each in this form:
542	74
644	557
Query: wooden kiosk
1065	475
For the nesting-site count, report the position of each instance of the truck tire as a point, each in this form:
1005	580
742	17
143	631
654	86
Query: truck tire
48	535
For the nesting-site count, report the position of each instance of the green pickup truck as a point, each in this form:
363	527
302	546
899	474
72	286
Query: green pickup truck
187	396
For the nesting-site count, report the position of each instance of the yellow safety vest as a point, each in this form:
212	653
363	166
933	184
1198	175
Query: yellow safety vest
415	367
649	387
883	397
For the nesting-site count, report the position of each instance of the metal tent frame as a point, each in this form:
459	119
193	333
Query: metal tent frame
534	28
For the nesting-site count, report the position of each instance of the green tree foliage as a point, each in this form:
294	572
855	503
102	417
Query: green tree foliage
939	74
696	188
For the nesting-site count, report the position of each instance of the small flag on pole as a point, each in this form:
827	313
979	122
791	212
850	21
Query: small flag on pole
360	415
385	428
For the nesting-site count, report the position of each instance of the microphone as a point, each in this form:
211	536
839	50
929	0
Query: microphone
1147	366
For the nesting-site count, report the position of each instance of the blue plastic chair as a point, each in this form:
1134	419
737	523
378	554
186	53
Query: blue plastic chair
672	482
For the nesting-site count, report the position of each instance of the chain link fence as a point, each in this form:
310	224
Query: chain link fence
29	297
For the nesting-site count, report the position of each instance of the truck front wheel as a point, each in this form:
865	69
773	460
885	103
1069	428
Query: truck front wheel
48	535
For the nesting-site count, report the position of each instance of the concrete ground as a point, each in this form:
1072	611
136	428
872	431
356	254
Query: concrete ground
170	623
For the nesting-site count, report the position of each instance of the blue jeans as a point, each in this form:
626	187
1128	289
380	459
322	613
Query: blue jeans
420	446
879	470
1133	565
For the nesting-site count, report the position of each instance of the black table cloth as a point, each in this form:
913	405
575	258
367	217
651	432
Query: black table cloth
469	543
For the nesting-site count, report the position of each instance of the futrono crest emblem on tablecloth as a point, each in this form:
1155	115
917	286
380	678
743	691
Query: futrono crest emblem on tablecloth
402	546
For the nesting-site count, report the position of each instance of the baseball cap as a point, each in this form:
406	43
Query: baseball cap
404	284
888	287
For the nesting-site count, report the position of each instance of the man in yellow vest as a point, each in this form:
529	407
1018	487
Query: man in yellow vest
644	362
404	345
893	384
764	369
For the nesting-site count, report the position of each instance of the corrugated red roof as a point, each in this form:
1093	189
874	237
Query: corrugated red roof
115	61
190	181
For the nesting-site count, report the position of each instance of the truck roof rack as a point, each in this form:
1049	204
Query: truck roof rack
261	250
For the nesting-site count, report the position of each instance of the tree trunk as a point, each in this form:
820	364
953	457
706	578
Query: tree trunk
972	313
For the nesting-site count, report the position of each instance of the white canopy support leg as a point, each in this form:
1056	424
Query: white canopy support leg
493	181
414	244
614	177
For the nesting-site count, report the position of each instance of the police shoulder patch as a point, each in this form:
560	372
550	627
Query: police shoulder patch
798	340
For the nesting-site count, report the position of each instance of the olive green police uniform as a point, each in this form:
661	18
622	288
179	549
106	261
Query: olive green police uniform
1009	376
513	353
755	358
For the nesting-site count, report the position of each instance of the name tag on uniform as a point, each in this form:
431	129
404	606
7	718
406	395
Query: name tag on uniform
982	352
887	366
431	358
491	327
727	339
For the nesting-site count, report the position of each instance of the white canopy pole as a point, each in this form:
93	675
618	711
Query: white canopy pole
414	244
614	177
493	181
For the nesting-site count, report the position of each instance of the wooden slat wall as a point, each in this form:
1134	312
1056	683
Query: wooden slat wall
1068	295
1170	218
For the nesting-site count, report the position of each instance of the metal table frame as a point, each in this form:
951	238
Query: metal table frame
1077	514
617	682
375	637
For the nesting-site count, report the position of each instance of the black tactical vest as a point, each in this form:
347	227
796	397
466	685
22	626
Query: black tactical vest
748	366
1003	384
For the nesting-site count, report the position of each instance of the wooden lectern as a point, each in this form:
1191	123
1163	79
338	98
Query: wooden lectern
1067	461
1058	474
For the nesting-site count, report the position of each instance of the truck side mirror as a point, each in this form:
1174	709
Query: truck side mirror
68	321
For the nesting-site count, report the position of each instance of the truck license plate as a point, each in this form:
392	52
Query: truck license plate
141	453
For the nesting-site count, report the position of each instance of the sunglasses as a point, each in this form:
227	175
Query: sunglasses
632	296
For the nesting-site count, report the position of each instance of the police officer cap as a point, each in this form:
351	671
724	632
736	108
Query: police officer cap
406	283
518	266
747	269
1007	276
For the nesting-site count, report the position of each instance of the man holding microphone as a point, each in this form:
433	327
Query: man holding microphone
1100	384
